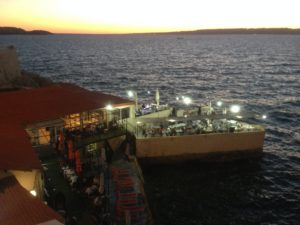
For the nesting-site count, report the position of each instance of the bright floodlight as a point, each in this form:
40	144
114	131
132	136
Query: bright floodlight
33	192
187	100
235	109
130	94
264	117
219	103
109	107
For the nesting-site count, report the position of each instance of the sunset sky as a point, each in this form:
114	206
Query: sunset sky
128	16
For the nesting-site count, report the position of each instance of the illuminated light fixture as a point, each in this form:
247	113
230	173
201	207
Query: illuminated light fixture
187	100
239	117
148	92
219	103
33	192
138	122
264	117
130	94
133	94
177	98
171	120
185	116
109	107
235	109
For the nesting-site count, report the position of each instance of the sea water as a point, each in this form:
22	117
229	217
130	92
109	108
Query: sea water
259	72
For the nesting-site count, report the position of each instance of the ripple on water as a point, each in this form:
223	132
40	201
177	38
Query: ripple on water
261	71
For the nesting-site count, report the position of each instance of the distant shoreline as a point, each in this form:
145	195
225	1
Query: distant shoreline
234	31
20	31
275	31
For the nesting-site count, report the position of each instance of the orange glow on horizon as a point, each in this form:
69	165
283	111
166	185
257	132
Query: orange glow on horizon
140	16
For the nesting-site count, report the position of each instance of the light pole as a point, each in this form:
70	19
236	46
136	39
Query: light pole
133	94
157	97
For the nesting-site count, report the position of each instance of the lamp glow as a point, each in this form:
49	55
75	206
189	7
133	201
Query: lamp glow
264	117
219	103
109	107
187	100
130	94
235	109
33	192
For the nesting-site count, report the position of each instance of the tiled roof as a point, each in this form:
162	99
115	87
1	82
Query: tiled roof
24	107
19	207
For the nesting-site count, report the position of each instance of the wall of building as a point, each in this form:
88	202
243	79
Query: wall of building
159	114
9	66
30	180
199	144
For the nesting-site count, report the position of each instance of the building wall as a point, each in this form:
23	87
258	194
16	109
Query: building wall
159	114
199	144
9	65
44	136
30	180
132	121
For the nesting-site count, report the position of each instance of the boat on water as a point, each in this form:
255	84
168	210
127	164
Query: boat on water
211	132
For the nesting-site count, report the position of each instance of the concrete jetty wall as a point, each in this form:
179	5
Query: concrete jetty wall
197	146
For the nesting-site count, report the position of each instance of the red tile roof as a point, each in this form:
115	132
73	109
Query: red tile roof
18	206
20	108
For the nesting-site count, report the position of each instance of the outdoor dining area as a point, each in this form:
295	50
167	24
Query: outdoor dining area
77	186
78	172
173	127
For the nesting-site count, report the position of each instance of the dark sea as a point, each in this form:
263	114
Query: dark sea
260	72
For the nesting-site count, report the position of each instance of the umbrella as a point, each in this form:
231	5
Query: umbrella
157	97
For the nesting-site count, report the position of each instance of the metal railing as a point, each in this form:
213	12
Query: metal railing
153	130
99	137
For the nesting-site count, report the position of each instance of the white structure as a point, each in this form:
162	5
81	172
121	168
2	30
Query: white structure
9	66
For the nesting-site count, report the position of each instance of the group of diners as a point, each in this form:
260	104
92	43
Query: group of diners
91	186
89	130
188	127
